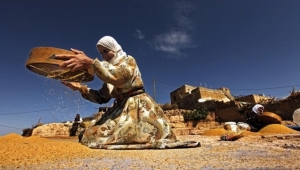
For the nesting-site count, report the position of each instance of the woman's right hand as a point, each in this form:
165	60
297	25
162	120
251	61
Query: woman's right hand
76	61
72	85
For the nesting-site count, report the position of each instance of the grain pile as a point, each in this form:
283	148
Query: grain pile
214	132
278	129
270	129
17	151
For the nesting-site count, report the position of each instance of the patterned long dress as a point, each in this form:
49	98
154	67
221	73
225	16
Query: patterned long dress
135	121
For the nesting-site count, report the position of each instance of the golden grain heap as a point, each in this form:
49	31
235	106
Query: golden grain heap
277	129
269	129
17	151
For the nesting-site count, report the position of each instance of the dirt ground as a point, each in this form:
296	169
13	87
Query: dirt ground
250	152
253	151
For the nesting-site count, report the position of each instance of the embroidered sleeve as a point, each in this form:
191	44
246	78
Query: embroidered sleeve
117	75
97	96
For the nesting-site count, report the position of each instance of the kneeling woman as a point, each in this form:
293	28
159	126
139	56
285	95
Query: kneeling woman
135	121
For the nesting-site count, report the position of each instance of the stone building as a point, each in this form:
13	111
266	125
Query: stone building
253	98
180	93
228	108
188	97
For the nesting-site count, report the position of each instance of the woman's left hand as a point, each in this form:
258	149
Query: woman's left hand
76	61
72	85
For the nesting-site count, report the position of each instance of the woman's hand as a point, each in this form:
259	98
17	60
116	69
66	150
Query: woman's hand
72	85
76	61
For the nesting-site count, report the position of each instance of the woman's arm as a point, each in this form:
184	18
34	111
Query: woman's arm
117	75
97	96
100	96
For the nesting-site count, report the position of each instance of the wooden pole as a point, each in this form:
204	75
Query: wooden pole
39	120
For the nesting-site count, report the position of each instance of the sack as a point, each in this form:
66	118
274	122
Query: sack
243	126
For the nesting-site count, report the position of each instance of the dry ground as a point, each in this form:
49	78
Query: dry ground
249	152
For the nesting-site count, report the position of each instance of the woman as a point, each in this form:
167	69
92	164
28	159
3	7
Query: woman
76	124
135	121
253	118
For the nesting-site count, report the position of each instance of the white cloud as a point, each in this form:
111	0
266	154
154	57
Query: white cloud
178	38
172	42
139	34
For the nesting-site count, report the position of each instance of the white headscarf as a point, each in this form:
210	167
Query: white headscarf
110	43
255	108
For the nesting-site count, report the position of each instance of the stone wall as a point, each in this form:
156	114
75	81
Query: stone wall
182	127
175	118
180	93
229	114
207	93
54	130
191	102
253	98
284	108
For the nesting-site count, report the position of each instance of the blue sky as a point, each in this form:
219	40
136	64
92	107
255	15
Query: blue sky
251	47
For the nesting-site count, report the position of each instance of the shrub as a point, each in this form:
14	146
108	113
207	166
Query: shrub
167	106
197	114
174	106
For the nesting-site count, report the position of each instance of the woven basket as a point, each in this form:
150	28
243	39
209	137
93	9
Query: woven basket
42	61
270	118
